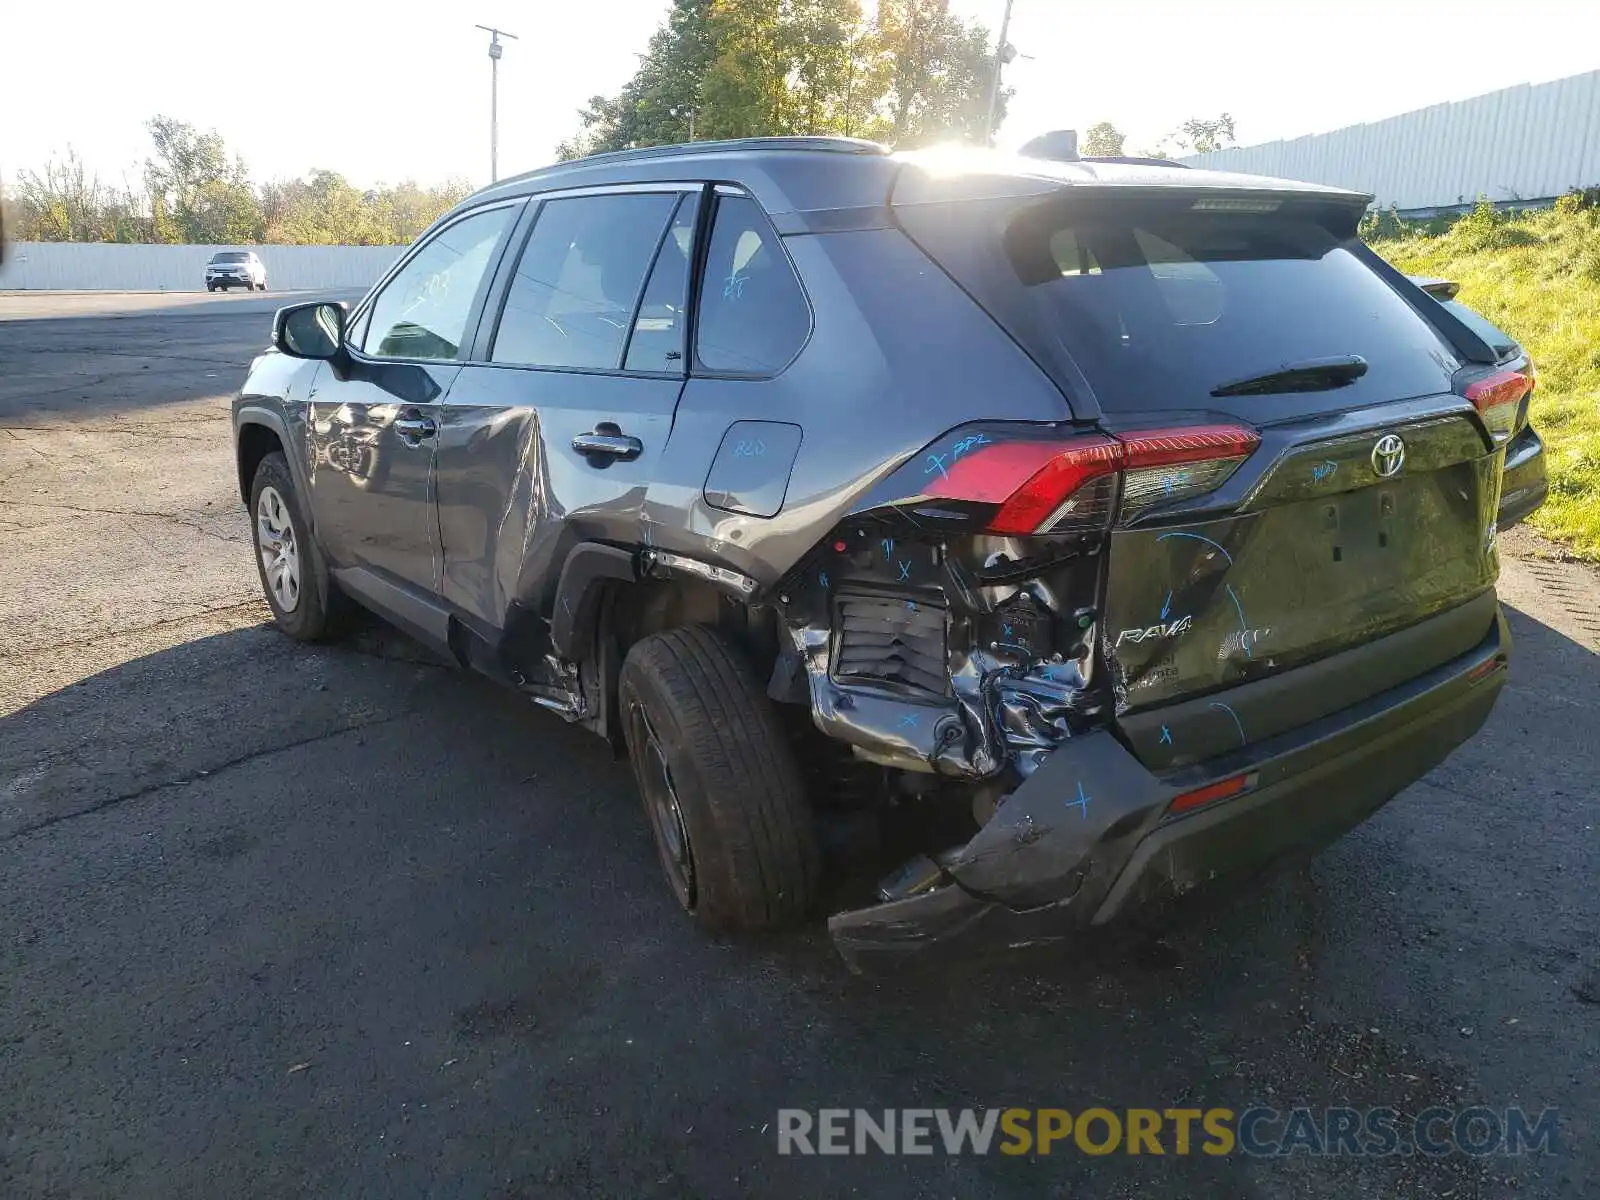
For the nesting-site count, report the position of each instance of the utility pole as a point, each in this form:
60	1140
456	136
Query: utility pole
495	50
1004	52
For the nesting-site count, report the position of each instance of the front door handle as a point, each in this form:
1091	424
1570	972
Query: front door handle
610	442
414	428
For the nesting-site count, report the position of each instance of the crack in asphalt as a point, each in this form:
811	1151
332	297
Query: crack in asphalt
27	445
88	382
197	775
132	512
125	430
105	635
153	353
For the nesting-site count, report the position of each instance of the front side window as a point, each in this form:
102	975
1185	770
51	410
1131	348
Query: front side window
422	312
753	313
577	284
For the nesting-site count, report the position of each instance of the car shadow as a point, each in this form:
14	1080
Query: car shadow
269	854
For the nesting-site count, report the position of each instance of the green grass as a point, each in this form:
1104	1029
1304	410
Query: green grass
1537	276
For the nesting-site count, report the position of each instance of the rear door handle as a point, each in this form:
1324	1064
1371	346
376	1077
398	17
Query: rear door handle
414	428
609	442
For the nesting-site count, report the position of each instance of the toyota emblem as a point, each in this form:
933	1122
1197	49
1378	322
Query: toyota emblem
1389	455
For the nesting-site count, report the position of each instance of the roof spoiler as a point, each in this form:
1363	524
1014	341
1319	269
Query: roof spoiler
1439	289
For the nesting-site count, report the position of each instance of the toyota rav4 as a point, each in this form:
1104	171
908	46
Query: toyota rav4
1125	525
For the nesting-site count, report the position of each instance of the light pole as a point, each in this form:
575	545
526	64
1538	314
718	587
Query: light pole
1004	52
495	50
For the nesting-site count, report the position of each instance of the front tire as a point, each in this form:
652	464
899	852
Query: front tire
296	587
719	782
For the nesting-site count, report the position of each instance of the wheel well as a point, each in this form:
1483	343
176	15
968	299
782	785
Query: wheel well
255	443
631	612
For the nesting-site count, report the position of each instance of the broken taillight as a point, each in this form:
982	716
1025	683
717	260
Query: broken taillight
1498	397
1047	487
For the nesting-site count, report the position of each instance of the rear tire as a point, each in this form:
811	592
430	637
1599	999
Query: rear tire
304	601
721	789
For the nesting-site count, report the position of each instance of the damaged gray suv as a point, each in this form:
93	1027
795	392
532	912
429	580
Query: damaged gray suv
1112	527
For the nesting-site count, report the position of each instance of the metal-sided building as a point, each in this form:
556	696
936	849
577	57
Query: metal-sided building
1521	145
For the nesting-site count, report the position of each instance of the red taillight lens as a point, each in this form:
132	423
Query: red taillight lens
1163	447
1497	398
1047	486
1077	486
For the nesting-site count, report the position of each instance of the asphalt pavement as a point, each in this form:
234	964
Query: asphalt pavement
340	921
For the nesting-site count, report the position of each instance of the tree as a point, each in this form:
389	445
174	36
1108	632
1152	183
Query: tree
656	105
741	68
939	75
196	193
65	202
821	36
746	93
1202	136
1103	140
324	209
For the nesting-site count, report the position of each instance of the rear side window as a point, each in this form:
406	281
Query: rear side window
659	325
753	315
1157	304
572	299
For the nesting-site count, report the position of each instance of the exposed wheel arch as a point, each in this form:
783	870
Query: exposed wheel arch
255	442
604	604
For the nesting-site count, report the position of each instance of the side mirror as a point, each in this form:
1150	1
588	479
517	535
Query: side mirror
314	330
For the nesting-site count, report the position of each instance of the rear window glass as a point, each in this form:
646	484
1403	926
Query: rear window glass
1156	304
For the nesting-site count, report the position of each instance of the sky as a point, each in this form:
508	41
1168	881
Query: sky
387	90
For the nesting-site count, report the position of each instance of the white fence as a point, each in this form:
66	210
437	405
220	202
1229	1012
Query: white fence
1531	142
106	266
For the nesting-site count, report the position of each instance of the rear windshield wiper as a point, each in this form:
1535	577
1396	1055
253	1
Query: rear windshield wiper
1312	375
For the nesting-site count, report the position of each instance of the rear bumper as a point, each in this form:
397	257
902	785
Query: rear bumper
1089	837
1524	486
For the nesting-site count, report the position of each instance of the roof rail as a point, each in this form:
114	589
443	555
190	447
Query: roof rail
832	145
1134	160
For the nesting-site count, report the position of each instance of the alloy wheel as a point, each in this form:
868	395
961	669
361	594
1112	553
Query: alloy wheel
279	549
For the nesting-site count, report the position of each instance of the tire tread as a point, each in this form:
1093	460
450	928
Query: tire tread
753	791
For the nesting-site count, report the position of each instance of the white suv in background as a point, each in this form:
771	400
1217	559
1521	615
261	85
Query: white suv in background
231	268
